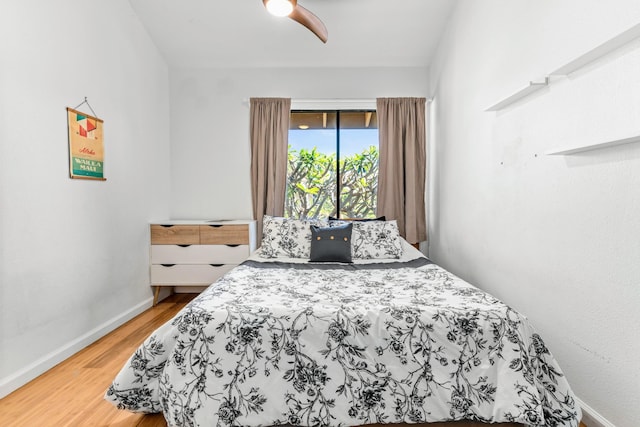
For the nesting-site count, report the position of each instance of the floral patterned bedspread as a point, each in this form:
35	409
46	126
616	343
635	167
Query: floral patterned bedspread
275	344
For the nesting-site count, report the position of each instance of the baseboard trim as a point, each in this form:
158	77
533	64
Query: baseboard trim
13	382
591	418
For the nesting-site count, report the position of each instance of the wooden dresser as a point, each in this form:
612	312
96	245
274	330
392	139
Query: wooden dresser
197	253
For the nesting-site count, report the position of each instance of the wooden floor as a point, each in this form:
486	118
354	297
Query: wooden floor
71	394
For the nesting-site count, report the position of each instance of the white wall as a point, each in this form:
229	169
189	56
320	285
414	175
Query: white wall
556	237
210	150
74	253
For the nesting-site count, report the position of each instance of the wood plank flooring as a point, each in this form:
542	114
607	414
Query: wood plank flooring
71	393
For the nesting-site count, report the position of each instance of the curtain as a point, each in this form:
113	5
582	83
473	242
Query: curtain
269	128
401	179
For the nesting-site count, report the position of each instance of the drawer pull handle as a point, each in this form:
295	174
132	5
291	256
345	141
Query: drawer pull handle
167	265
233	246
166	225
184	246
216	225
216	265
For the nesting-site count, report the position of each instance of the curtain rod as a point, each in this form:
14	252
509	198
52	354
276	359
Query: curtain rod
328	103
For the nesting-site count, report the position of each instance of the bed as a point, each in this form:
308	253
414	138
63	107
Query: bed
383	339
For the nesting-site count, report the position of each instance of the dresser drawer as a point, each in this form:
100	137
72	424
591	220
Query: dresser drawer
175	234
199	254
188	275
196	253
224	234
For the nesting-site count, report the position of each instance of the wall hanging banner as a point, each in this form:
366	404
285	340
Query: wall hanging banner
86	146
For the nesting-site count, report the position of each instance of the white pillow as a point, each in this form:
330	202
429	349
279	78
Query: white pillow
287	237
375	239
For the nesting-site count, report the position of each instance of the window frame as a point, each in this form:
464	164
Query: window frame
334	106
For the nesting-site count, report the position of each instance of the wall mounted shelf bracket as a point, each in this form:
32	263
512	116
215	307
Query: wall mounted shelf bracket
533	86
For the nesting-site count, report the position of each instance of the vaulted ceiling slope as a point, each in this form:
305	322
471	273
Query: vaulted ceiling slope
241	33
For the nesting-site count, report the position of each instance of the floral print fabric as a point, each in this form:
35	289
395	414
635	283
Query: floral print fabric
374	239
287	237
272	344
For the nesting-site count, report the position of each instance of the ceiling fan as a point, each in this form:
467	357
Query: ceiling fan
293	10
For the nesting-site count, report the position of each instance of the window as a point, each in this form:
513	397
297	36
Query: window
333	164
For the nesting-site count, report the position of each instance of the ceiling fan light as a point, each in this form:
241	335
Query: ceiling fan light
279	7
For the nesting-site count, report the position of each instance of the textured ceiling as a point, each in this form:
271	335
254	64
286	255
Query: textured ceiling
240	33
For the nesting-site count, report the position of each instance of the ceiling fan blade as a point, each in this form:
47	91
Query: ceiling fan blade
311	21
